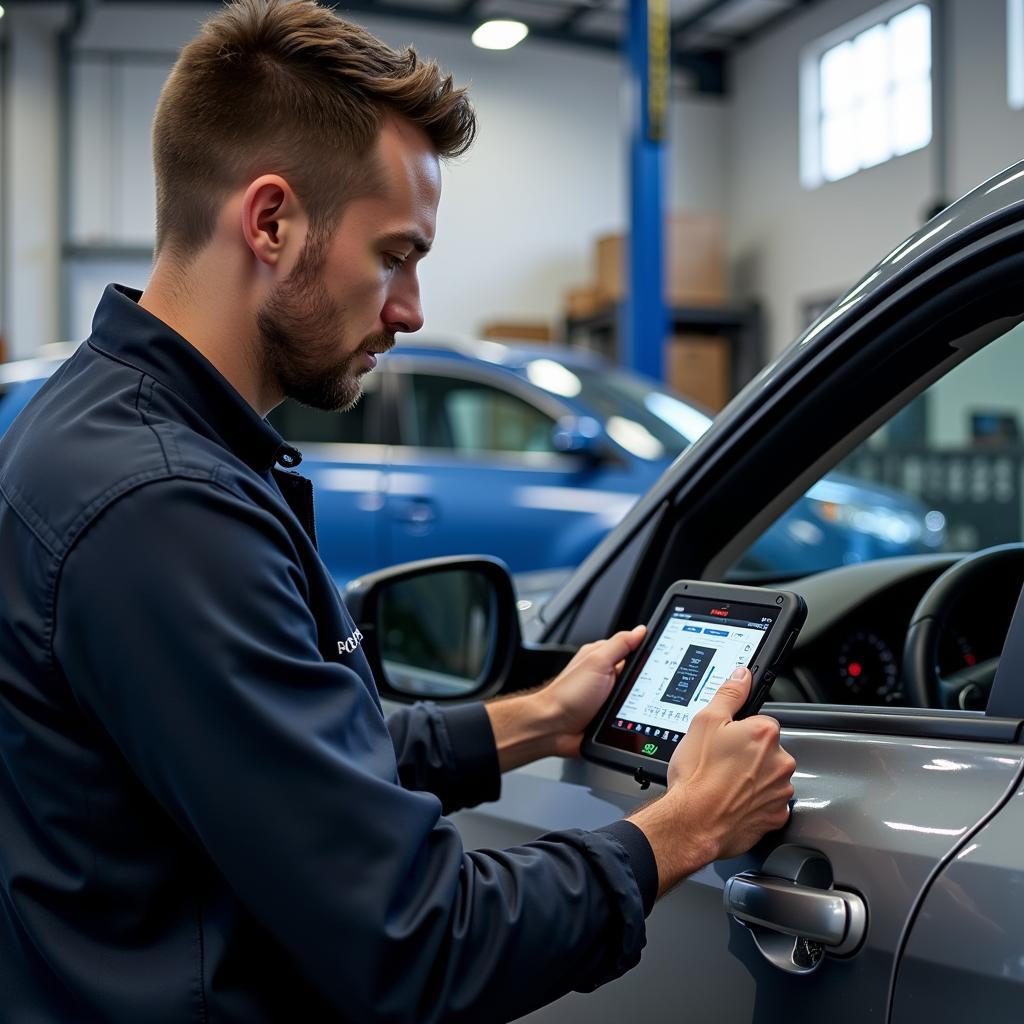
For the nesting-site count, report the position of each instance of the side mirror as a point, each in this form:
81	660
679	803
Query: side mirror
443	628
579	435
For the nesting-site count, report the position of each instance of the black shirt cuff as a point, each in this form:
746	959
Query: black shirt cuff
641	859
474	751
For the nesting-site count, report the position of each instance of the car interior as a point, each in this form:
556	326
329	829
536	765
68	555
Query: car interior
919	393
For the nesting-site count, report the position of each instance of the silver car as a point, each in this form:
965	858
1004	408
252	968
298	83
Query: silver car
896	892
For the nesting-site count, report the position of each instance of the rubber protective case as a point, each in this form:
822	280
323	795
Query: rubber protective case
792	611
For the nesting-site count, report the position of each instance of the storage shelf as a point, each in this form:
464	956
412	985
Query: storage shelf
740	325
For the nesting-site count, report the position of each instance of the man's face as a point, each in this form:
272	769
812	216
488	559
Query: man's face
350	292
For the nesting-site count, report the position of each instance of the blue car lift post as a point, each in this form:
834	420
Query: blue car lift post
644	318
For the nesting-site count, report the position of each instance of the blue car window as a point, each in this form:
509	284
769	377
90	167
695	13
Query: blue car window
470	417
358	425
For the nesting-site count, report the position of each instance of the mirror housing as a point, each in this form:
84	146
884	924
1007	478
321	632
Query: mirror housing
438	629
580	435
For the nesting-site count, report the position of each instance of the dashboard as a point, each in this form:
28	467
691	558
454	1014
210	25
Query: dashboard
851	648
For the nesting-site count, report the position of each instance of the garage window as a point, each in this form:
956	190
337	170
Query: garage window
1015	53
866	93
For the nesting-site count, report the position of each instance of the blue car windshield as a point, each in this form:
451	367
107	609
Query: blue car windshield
648	422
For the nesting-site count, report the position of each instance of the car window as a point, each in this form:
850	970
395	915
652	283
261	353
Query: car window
359	425
943	474
470	417
647	421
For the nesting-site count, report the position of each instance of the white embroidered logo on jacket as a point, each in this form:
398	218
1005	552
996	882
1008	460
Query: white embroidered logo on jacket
350	644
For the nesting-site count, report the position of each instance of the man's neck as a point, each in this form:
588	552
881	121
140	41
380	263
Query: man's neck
200	304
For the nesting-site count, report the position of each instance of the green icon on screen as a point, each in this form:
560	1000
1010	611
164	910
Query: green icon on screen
650	748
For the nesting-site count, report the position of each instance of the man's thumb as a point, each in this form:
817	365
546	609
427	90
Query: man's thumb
731	694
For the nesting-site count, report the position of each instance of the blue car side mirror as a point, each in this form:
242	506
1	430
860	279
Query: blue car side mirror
579	435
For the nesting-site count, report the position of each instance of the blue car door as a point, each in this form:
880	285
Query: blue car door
477	470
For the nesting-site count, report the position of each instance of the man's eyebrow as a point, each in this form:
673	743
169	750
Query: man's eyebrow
413	238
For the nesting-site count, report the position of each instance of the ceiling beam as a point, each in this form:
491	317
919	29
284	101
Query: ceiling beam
769	24
705	67
685	22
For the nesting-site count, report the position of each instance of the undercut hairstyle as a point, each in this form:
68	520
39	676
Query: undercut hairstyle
287	87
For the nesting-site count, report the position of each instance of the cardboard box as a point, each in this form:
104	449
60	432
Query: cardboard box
583	301
699	367
695	270
516	330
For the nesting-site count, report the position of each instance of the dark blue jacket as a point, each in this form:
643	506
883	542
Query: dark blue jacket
203	813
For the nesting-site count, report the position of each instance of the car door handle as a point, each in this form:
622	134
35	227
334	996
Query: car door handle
416	511
820	915
794	913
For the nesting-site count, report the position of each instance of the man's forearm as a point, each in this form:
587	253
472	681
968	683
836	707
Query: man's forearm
525	728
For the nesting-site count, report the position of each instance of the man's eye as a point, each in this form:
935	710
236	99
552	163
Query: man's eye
392	262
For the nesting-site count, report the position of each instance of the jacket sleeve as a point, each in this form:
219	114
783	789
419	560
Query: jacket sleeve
449	752
183	627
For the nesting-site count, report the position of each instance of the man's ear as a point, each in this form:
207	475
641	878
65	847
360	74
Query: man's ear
273	221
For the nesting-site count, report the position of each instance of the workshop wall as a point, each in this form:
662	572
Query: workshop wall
518	214
789	246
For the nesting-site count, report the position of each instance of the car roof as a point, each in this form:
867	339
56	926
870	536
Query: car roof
42	364
508	354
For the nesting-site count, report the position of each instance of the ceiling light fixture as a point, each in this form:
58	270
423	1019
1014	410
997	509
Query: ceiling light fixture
499	35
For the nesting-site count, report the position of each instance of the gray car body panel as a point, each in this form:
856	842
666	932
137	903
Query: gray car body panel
964	959
885	811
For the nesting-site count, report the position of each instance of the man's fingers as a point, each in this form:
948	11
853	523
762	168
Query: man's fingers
731	695
617	647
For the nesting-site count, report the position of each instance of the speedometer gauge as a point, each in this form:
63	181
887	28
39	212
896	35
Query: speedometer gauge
868	670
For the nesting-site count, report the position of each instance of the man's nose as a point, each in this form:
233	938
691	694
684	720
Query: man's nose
403	311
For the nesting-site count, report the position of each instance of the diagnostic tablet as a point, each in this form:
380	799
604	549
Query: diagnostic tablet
698	634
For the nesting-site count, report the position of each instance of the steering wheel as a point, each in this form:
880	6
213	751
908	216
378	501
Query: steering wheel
968	688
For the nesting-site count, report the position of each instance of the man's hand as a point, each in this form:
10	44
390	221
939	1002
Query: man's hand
550	721
728	784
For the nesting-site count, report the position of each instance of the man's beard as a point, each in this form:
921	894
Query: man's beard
301	330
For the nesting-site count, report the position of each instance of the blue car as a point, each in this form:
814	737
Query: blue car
531	454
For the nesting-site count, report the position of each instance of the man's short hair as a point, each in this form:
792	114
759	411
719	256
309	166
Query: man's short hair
287	87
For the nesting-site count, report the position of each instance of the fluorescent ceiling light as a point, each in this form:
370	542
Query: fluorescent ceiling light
499	35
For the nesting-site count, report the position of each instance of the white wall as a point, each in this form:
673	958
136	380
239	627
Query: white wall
787	244
31	262
518	214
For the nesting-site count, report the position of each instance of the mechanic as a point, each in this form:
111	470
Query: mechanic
204	814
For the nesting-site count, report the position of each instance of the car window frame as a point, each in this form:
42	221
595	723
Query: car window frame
547	406
920	306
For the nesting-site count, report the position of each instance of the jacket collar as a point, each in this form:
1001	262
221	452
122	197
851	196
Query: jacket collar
124	331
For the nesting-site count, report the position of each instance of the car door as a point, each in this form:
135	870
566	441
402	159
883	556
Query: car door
964	956
904	815
344	456
477	471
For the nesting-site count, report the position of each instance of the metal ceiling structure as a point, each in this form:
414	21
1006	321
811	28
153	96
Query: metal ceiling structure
694	37
703	32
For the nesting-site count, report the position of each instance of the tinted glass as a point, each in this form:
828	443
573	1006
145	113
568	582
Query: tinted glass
359	425
944	474
470	417
447	652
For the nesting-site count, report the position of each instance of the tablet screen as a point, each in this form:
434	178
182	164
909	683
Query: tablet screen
690	653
